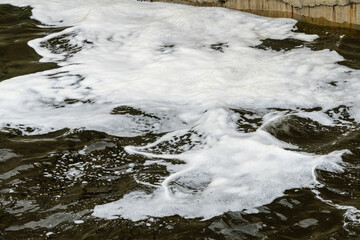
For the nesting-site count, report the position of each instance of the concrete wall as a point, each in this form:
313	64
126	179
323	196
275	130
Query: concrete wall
343	13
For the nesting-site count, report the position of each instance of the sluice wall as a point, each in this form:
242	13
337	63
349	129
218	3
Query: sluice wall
339	13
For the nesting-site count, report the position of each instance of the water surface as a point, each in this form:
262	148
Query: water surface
173	122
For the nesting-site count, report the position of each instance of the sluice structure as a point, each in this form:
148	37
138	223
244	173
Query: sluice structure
340	13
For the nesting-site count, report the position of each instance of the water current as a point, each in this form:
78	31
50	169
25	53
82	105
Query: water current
138	120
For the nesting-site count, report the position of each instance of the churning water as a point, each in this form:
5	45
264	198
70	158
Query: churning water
152	120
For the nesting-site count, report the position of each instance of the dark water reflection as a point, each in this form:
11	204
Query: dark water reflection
344	41
16	29
50	183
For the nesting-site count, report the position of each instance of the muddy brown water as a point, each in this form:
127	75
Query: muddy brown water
43	197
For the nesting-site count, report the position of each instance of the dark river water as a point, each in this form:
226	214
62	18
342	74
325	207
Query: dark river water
50	182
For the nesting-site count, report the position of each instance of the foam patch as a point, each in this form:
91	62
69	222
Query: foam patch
129	68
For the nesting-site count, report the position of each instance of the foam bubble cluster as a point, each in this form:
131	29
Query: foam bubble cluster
128	68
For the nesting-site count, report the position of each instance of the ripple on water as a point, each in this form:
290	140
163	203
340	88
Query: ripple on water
253	127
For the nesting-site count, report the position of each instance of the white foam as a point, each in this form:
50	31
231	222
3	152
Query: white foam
162	59
237	172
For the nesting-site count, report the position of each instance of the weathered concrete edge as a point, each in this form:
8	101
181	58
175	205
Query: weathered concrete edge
336	13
